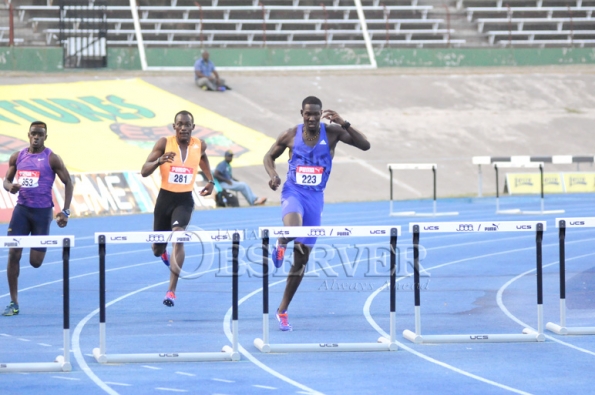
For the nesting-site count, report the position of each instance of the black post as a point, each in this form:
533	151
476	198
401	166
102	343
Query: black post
434	171
416	264
497	191
538	242
393	269
235	268
390	170
562	236
265	271
102	279
66	281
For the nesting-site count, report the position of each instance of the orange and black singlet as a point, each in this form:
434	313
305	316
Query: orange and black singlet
178	176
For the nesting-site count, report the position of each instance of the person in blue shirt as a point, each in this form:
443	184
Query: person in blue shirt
205	75
226	180
311	148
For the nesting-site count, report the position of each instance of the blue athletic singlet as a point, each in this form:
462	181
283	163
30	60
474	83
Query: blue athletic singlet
303	191
310	167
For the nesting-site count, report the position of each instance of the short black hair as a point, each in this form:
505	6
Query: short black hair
34	123
184	112
311	100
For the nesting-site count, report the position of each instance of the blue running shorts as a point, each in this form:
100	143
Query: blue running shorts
309	204
30	221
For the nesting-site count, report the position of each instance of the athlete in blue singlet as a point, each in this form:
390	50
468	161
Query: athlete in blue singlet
311	149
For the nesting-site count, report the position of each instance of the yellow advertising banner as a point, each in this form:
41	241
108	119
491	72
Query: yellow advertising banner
111	126
579	182
530	183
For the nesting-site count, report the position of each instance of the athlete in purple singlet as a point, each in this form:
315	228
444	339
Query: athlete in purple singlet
311	149
35	169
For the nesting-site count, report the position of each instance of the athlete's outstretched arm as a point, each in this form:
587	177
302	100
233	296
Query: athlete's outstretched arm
278	147
58	166
157	157
206	169
351	135
10	173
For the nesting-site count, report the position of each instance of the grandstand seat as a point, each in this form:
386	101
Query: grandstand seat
226	23
519	23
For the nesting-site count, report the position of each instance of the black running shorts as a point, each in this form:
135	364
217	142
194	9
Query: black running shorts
173	209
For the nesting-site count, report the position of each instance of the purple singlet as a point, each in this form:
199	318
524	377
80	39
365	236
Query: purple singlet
36	177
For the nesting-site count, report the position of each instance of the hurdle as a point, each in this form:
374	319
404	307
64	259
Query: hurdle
562	224
382	344
528	335
528	165
62	362
415	166
227	353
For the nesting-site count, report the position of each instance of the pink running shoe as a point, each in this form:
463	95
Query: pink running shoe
283	319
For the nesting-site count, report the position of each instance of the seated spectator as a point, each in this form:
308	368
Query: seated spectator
205	75
223	175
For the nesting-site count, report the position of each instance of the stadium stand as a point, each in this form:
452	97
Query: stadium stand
533	23
280	23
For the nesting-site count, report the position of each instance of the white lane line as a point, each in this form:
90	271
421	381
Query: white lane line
170	389
224	380
76	337
266	387
518	321
23	340
44	344
79	259
373	323
247	354
120	384
5	335
66	378
150	367
79	276
186	374
76	349
82	363
243	351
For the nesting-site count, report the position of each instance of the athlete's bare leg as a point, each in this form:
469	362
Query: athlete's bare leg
176	263
13	269
301	253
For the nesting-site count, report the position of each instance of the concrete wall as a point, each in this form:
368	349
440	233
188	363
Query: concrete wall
50	59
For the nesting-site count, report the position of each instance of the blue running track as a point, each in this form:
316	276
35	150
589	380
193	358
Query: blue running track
476	283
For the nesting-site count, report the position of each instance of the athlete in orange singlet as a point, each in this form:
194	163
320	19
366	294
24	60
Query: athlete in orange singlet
178	158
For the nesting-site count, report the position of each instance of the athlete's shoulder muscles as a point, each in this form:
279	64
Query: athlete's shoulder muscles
56	162
160	144
284	141
286	138
59	168
12	161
